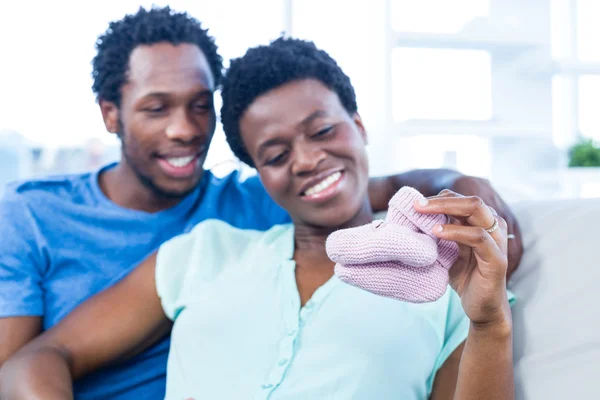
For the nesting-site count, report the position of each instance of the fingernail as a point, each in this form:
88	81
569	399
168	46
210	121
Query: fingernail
423	202
438	228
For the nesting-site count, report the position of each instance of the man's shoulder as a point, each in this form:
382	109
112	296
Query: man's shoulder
239	187
43	191
49	184
240	199
30	207
238	179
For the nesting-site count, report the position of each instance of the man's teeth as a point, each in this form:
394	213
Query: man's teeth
324	184
179	162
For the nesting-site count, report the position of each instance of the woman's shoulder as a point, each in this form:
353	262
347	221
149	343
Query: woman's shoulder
212	250
216	231
215	243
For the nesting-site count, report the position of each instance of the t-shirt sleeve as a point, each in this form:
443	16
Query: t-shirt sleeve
455	331
172	266
270	212
187	262
22	263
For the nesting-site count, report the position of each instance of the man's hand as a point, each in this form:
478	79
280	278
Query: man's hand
430	182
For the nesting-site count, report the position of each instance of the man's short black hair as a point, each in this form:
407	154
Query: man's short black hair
264	68
146	27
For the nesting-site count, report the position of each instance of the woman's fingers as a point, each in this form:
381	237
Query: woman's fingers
446	193
473	209
468	211
482	243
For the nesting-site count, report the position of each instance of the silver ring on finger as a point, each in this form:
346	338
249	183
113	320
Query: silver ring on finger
493	227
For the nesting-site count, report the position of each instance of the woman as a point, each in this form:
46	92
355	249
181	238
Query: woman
261	314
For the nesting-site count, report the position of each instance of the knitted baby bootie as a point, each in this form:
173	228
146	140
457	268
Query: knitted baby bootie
399	257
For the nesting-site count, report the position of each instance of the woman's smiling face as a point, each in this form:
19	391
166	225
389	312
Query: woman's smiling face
309	152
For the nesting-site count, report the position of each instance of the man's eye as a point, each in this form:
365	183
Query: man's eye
155	109
203	107
323	132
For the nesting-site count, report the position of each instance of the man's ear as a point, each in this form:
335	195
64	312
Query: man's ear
361	128
110	115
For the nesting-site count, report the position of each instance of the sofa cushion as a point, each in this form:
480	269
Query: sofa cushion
557	316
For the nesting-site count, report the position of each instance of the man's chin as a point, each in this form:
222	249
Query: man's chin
175	193
175	190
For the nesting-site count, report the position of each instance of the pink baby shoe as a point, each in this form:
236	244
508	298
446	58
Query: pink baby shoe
398	257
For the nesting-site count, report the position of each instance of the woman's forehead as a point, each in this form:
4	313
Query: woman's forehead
291	103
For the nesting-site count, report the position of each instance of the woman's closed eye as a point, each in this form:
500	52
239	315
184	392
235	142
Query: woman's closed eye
277	159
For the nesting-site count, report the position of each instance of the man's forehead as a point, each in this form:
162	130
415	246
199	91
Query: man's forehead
166	64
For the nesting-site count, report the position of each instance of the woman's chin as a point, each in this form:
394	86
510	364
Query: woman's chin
334	218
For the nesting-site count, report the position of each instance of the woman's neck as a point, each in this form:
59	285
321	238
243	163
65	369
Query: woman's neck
311	239
313	266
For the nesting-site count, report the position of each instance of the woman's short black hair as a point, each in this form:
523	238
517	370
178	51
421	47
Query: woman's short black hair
146	27
264	68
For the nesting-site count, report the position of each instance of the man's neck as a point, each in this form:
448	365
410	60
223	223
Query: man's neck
123	187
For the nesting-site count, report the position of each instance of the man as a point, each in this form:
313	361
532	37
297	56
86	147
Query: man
67	238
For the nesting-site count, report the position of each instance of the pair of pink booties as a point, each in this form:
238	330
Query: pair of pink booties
399	257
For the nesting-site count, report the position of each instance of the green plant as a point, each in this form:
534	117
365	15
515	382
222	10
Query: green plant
584	154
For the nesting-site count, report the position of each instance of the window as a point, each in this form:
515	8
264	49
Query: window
589	101
465	82
436	16
561	122
467	153
576	84
441	84
561	38
588	30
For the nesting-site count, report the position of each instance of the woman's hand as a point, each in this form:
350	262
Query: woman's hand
482	188
479	275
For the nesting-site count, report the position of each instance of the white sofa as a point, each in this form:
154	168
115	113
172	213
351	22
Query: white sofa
557	314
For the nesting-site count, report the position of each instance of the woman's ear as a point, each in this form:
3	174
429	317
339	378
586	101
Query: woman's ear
361	128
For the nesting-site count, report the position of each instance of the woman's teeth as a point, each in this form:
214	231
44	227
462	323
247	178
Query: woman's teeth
324	184
179	162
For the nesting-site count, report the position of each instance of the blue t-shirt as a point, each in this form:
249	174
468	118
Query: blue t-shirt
62	240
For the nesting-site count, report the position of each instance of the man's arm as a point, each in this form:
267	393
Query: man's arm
16	332
22	266
432	181
115	323
427	181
